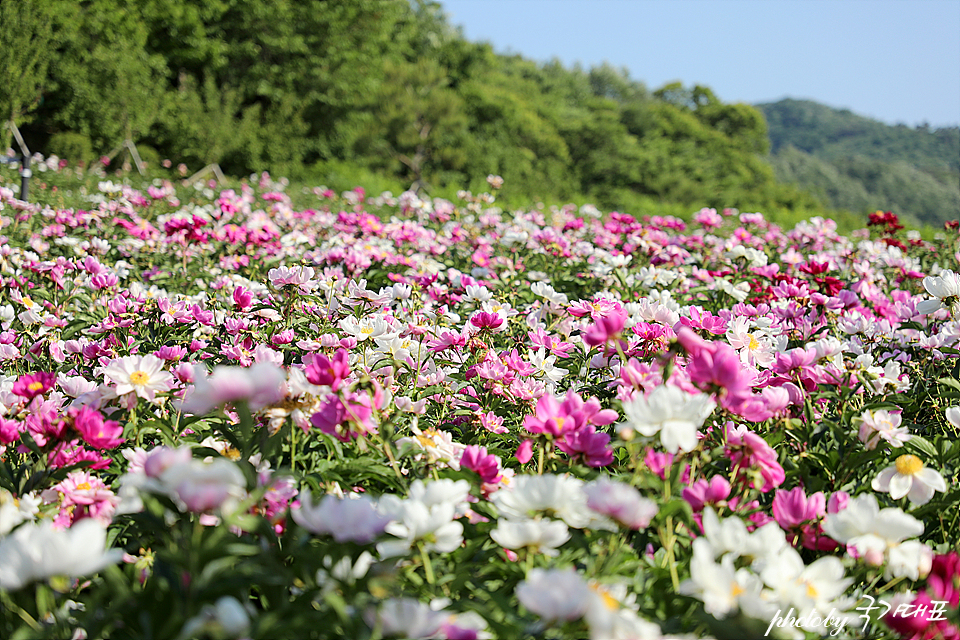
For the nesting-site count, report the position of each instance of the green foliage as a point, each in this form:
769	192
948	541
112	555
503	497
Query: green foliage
862	165
390	90
72	146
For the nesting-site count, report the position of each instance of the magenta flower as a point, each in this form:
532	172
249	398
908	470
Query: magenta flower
484	464
85	496
486	320
97	432
605	329
524	452
703	492
587	445
747	450
32	385
552	418
793	508
242	298
10	430
324	371
621	502
715	367
347	417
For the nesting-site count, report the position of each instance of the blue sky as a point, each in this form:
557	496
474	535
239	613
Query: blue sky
894	60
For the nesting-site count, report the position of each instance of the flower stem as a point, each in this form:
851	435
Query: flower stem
427	565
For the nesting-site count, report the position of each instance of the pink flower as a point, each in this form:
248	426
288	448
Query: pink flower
605	329
89	497
793	508
162	458
10	430
97	432
492	422
702	492
524	452
552	418
621	502
587	445
486	320
715	367
32	385
203	486
347	417
747	451
242	298
484	464
324	371
259	386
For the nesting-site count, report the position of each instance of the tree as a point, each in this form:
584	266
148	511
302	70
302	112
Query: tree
30	32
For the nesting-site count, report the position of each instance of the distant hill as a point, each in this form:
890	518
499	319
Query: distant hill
856	163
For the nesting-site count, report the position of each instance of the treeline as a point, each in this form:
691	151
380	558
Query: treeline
315	87
859	164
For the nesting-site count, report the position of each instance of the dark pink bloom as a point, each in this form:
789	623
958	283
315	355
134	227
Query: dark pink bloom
716	367
605	329
484	464
551	418
32	385
347	417
242	298
524	452
70	453
793	508
97	432
587	445
658	462
330	372
486	320
838	502
747	451
10	430
703	492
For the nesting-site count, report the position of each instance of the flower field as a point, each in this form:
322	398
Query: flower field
226	416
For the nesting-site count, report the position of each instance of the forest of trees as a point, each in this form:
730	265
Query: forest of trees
858	164
311	88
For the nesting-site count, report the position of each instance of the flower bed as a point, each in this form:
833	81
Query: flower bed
393	417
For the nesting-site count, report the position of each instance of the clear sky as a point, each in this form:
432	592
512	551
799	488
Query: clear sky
897	61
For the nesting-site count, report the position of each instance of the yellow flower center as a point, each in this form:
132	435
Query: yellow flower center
812	591
425	441
908	465
736	589
753	344
232	453
366	330
609	601
84	486
35	386
27	302
139	377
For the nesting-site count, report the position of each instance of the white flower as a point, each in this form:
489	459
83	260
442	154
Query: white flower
722	588
869	529
528	496
875	425
405	618
367	327
37	550
227	617
611	615
13	511
672	412
945	287
554	594
543	536
908	477
953	416
730	536
414	522
347	520
143	375
815	587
